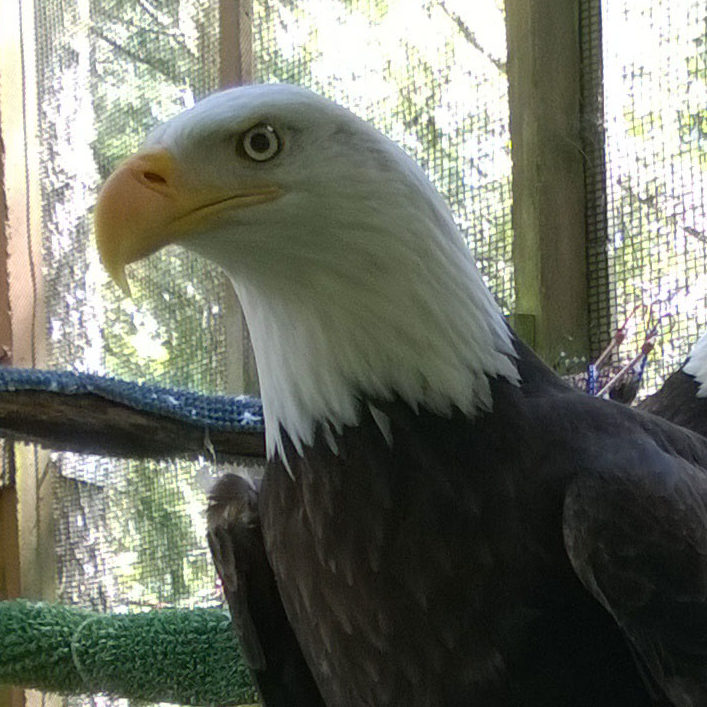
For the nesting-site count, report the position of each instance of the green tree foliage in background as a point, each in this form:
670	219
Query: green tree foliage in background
655	92
108	73
693	116
429	74
111	71
131	534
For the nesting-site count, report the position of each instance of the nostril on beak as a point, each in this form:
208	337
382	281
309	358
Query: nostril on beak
154	178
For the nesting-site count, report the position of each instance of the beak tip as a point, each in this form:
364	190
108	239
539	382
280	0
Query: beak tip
119	277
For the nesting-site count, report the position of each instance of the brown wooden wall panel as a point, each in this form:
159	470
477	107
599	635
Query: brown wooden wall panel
544	77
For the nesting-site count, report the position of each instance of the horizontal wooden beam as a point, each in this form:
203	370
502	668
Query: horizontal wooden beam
91	424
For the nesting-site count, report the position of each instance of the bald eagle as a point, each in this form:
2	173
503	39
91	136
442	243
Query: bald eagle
683	397
447	521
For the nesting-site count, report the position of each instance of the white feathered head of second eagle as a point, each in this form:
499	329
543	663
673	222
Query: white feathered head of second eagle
355	282
696	365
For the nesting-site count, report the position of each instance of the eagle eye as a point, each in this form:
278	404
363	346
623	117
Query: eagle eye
261	142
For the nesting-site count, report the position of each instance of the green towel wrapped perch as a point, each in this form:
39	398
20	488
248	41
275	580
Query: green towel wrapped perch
188	657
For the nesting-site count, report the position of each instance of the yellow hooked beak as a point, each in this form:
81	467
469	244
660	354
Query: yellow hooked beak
146	204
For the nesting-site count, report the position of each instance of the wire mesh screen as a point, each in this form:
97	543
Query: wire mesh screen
430	74
129	535
649	234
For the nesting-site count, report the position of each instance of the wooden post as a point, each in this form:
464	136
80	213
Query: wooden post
9	532
235	69
548	177
9	571
235	42
9	545
26	511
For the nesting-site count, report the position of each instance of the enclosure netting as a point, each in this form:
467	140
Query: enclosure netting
431	75
130	536
647	225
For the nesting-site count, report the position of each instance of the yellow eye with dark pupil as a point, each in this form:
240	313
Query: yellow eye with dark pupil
261	143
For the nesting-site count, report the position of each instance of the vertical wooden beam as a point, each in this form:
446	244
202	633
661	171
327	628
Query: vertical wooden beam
235	69
9	571
23	230
33	523
5	322
24	227
9	531
9	541
548	176
235	42
9	546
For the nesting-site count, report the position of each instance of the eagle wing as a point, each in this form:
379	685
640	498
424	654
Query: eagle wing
678	401
267	640
637	539
234	578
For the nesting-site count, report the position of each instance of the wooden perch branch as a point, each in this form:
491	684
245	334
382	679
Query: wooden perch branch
90	424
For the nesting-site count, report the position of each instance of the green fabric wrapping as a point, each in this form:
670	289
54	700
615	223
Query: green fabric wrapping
184	657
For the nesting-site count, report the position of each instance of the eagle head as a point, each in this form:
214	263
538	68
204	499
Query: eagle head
355	282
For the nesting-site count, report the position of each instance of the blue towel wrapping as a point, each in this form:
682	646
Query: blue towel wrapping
224	412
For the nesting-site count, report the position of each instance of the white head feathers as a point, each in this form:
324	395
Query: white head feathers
696	365
356	283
